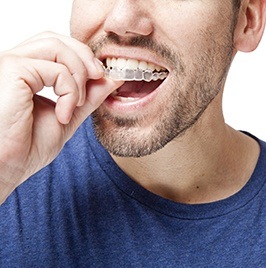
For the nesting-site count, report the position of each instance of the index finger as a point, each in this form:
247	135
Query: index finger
91	63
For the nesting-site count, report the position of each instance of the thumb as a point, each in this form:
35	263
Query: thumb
97	92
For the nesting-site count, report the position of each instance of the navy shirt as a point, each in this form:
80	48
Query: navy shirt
83	211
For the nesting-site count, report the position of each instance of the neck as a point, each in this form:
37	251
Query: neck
206	164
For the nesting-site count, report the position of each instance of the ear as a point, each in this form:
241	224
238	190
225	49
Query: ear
250	25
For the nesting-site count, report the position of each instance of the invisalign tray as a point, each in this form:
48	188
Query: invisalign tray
125	74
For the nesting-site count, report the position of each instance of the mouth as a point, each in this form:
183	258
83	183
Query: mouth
141	77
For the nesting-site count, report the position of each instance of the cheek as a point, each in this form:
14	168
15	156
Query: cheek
191	22
86	19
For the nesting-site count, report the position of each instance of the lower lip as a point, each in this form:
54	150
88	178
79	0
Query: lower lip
120	106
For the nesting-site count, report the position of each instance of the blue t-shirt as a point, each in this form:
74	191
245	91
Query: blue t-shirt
83	211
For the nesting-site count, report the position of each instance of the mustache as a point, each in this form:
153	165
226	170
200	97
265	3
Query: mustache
139	41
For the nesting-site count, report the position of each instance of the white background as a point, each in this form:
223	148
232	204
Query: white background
245	93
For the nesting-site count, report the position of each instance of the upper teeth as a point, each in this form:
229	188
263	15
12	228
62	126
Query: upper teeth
133	70
132	64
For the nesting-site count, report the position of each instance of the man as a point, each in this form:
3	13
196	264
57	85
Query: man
169	184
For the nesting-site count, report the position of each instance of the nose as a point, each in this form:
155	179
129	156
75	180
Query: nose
129	18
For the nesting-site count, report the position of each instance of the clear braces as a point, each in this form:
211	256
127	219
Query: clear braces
125	74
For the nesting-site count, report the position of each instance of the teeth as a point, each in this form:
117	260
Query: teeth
132	64
133	70
125	100
151	66
143	65
121	63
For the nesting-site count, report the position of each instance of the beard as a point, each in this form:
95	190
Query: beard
191	88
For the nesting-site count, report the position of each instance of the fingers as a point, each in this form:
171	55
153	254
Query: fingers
58	76
71	92
76	56
97	92
62	45
36	74
77	78
66	64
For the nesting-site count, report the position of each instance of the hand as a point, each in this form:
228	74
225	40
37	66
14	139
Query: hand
33	129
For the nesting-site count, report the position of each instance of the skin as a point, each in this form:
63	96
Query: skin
47	59
214	150
176	138
197	68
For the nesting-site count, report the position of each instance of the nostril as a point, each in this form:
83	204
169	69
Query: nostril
128	19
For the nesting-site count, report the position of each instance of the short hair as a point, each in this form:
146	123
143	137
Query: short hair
236	5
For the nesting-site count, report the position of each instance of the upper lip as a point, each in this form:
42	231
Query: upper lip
131	53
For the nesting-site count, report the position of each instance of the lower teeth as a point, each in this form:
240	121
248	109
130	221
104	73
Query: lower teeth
118	74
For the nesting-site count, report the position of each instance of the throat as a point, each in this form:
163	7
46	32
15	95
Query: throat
190	181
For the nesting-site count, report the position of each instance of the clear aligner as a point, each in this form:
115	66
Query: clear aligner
125	74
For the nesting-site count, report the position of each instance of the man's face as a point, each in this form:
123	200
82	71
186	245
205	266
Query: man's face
190	42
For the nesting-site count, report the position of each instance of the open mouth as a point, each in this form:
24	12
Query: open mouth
141	78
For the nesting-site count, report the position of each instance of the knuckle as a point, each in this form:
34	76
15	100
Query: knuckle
51	42
43	35
48	33
63	70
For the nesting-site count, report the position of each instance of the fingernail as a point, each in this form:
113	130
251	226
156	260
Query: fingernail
99	65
